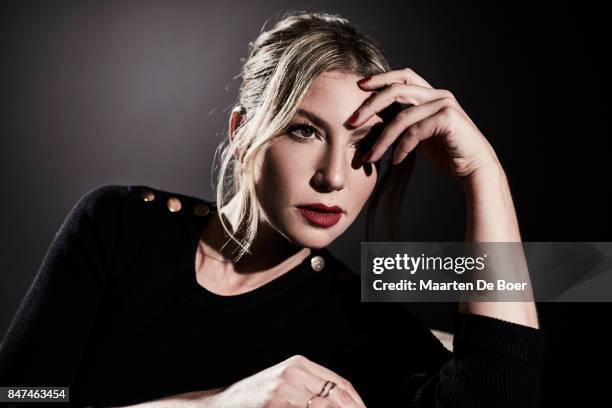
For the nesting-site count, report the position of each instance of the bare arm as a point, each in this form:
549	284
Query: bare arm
491	218
199	399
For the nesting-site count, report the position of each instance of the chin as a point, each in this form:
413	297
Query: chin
312	243
313	237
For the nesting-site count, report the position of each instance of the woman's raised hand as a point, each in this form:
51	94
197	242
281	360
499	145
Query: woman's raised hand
434	124
291	383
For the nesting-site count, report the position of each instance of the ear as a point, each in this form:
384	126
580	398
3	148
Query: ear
235	119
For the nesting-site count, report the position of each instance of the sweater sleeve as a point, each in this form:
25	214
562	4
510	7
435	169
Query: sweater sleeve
49	332
393	359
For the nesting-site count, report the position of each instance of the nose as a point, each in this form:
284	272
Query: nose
332	170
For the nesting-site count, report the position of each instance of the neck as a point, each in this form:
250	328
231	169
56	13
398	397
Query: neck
270	250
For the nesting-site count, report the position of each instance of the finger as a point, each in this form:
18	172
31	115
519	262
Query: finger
320	402
420	131
340	396
402	93
401	122
327	374
405	76
315	384
295	395
311	383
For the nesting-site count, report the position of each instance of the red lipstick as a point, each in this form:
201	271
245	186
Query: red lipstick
320	214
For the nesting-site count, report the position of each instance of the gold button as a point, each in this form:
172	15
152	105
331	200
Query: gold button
201	209
147	194
174	204
317	263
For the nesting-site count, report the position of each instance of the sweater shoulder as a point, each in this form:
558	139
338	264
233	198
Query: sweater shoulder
168	202
125	201
149	215
100	200
130	222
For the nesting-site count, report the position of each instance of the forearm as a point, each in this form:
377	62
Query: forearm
491	217
194	399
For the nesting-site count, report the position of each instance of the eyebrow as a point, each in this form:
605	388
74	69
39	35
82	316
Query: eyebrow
362	131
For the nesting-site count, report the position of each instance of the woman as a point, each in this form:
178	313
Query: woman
160	299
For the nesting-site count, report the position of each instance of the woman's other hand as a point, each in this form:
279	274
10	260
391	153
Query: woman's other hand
290	383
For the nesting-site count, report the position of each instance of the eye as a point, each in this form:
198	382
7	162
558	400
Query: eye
358	145
301	131
366	142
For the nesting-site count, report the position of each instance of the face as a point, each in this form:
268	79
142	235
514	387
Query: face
317	160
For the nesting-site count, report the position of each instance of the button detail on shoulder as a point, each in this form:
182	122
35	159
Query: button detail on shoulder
174	204
317	263
147	194
201	209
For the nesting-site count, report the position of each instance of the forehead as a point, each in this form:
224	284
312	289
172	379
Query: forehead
335	94
335	86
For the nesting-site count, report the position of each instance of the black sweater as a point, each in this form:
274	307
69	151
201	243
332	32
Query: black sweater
116	313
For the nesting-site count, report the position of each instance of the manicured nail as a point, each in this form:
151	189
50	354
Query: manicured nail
363	81
353	118
367	156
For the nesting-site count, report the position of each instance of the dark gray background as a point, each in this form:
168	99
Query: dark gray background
137	92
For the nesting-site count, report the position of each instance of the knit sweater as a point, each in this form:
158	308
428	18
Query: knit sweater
115	312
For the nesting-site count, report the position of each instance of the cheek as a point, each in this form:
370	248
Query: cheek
280	170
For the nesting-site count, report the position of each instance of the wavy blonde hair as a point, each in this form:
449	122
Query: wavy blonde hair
282	63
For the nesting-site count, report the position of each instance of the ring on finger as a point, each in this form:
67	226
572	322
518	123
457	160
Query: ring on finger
326	390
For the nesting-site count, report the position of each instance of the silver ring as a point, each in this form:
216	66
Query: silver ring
323	390
329	391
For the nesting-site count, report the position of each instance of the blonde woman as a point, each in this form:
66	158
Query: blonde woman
154	298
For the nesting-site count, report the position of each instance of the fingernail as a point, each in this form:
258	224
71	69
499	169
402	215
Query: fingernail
353	118
364	80
367	156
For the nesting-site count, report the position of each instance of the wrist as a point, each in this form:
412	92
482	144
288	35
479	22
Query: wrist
490	174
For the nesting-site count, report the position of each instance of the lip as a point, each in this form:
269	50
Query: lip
322	207
320	214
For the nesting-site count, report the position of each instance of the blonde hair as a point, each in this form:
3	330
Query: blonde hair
282	64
